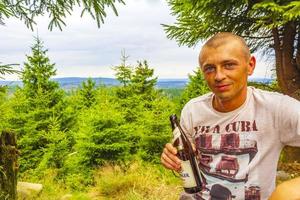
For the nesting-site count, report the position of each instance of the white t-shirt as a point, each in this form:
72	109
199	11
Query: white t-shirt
239	150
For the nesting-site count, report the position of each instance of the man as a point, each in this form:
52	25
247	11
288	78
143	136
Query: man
238	131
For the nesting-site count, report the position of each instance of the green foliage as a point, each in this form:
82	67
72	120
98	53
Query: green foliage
5	11
195	87
273	86
73	103
142	82
7	69
173	94
138	92
103	135
58	147
5	109
279	13
87	93
146	109
37	73
198	20
38	109
123	71
156	128
136	81
58	10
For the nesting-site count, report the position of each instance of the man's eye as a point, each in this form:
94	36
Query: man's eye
209	69
229	65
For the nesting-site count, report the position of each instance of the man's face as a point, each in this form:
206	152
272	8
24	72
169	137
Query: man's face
226	69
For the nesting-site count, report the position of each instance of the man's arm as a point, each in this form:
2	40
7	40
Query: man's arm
288	190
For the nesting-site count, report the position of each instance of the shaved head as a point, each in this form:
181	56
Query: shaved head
222	38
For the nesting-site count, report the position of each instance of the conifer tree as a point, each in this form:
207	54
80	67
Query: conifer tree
195	87
38	107
27	11
88	93
37	73
142	81
123	71
137	90
43	94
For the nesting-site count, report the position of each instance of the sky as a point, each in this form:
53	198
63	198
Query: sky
82	49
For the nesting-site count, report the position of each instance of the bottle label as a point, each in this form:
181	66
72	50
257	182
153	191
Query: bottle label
187	175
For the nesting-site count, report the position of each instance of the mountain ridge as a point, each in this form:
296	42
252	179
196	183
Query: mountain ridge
73	82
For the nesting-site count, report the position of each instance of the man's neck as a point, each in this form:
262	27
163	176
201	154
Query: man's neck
222	105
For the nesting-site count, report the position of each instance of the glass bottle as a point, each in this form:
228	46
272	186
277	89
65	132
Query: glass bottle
190	172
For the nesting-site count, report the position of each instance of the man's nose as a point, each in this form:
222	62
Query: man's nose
220	75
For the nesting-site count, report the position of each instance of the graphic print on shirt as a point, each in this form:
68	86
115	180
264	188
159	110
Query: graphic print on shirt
225	154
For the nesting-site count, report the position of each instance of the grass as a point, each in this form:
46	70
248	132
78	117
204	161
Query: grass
140	181
52	188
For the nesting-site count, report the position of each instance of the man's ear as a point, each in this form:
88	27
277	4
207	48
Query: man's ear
251	65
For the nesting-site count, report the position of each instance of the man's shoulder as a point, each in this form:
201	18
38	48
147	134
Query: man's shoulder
206	98
282	105
198	102
273	99
259	93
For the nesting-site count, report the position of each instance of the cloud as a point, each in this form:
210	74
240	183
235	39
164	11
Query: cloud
82	49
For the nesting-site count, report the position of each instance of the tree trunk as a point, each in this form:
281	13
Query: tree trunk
288	71
8	166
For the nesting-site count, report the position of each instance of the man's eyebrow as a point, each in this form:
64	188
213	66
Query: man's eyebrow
208	65
229	60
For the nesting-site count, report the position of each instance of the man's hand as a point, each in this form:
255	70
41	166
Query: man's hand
287	190
169	159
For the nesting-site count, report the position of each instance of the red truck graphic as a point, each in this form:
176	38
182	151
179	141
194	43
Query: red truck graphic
205	160
228	166
252	193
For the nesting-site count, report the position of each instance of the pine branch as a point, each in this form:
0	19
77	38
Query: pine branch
8	69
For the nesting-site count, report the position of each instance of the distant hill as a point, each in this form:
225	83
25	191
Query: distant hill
73	82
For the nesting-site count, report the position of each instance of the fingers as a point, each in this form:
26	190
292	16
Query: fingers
169	158
171	148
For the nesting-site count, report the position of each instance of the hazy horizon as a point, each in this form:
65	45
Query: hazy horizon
184	78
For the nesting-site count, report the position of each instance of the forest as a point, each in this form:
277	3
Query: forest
73	140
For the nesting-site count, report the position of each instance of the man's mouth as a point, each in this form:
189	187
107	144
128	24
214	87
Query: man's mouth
222	87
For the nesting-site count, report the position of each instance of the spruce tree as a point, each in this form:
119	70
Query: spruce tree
37	73
195	87
38	107
88	93
142	81
123	71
